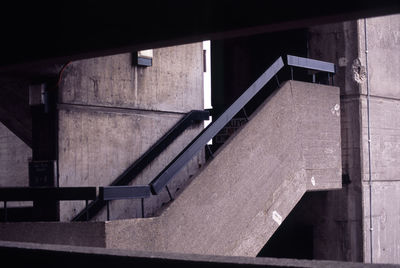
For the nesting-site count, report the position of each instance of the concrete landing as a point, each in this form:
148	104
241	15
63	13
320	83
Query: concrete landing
235	204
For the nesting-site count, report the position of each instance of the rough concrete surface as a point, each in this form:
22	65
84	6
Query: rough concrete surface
14	156
251	185
383	44
95	147
385	218
111	112
337	217
63	233
24	254
173	83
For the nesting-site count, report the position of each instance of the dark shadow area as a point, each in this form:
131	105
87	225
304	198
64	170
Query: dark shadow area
237	63
293	239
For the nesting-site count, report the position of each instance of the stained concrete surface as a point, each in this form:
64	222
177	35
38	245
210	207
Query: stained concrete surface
96	147
337	215
383	44
25	254
173	83
14	155
347	212
111	112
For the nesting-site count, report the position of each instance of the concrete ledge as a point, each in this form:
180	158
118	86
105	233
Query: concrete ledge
65	233
28	254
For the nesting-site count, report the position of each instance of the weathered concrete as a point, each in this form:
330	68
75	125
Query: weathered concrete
97	146
346	213
239	199
62	233
14	156
173	83
384	76
337	215
265	181
111	112
15	112
24	254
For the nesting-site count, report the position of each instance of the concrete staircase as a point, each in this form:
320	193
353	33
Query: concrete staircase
236	202
234	205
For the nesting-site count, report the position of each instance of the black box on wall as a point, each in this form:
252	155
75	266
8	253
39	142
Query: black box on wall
42	173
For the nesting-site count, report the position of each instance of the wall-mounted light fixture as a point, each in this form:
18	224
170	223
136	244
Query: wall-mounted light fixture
143	58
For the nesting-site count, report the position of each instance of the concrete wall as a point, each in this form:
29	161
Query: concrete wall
346	213
111	112
14	156
383	44
338	226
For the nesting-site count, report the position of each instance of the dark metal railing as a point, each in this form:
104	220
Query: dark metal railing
143	161
311	64
167	174
124	192
117	191
208	133
9	194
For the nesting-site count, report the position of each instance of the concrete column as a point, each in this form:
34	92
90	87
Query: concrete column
338	224
382	181
346	214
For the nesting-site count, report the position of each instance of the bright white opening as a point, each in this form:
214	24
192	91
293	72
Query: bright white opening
207	75
207	81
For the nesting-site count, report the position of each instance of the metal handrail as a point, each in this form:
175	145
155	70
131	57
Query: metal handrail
145	159
124	192
45	194
165	176
311	64
208	133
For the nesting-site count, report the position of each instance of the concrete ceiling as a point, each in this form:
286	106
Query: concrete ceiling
69	30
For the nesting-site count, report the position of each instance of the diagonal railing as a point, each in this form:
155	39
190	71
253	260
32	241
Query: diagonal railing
208	133
119	190
166	175
144	160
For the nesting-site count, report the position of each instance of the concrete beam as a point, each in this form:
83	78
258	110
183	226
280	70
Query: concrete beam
26	254
60	32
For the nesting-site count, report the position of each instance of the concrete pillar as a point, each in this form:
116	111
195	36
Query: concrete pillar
338	227
382	181
345	232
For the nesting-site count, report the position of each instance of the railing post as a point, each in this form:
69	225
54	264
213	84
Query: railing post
5	211
108	210
142	202
169	193
291	72
87	211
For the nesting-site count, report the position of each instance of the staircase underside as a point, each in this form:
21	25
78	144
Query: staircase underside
291	145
